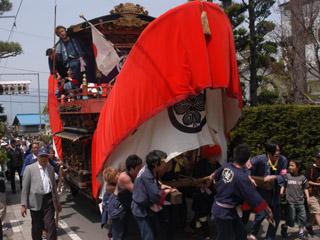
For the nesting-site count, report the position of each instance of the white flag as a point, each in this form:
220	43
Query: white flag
106	56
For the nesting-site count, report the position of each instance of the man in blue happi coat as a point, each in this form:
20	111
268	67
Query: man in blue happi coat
233	189
69	52
149	195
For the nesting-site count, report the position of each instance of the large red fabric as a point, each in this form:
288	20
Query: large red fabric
54	117
171	60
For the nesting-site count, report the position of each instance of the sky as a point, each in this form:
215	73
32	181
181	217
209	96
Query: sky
34	31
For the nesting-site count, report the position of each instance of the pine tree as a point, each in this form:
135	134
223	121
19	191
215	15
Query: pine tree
8	49
255	50
261	49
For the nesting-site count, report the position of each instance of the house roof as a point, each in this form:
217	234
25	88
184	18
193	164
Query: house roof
30	119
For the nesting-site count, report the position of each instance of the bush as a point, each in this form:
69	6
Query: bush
267	97
295	127
3	156
46	139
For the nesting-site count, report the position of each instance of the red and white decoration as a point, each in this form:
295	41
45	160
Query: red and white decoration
104	52
150	107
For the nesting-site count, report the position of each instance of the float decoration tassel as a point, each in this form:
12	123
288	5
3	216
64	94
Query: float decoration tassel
205	21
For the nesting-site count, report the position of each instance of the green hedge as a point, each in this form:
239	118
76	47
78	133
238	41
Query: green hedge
295	127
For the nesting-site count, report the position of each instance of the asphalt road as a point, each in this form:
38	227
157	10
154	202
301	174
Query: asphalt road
79	220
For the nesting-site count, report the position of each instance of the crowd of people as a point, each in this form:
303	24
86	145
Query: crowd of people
139	199
40	176
146	199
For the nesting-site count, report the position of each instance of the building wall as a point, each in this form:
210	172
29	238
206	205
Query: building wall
29	130
310	53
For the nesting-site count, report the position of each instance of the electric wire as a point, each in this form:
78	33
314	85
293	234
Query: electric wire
26	70
26	34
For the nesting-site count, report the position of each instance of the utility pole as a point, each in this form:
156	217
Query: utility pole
38	78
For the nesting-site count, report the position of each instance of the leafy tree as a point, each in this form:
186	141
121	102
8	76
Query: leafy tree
3	156
45	109
261	48
255	50
300	45
8	49
5	5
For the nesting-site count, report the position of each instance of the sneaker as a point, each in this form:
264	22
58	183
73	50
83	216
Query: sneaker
302	236
251	237
310	230
198	224
284	231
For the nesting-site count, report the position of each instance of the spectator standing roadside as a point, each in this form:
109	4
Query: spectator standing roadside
15	156
296	186
3	202
313	175
272	166
23	146
39	194
30	158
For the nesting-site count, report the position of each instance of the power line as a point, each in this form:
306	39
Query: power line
26	70
13	26
26	34
20	101
27	95
15	20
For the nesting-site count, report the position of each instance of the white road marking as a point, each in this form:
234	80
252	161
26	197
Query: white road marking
68	230
15	226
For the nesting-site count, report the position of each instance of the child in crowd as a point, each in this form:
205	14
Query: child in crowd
110	176
295	188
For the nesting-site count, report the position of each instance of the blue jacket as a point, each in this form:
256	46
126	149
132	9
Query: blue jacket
233	188
29	159
104	214
261	167
146	192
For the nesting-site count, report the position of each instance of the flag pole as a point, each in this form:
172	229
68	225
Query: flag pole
54	39
100	33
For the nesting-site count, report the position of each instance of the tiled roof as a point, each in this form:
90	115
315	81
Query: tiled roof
30	119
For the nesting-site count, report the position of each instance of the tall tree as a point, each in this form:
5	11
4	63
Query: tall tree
300	43
236	13
299	83
255	50
8	49
226	3
261	49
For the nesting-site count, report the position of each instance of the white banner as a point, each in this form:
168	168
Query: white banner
173	136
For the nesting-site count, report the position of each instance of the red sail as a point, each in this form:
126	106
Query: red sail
172	60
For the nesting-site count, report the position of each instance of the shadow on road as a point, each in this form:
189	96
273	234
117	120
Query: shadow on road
82	205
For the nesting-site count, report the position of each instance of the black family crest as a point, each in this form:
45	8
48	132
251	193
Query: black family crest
189	115
123	58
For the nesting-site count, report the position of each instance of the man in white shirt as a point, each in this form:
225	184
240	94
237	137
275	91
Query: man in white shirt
39	194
